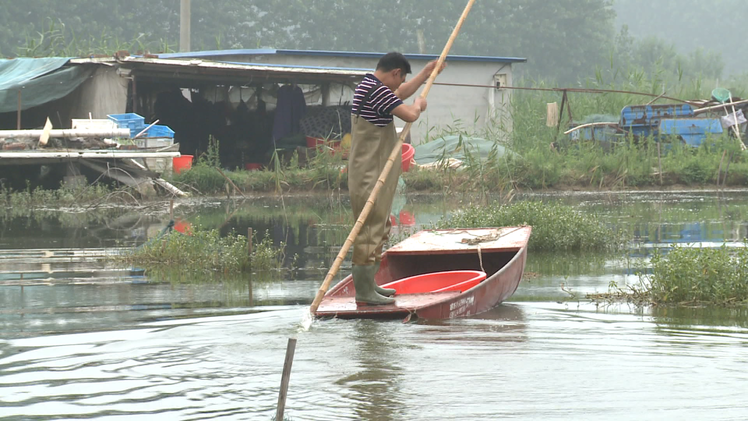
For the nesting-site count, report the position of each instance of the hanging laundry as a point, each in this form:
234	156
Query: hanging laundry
289	110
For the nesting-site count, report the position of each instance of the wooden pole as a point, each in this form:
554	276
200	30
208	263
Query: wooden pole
184	25
727	170
737	126
231	182
290	349
715	107
171	209
719	169
249	253
249	241
383	176
18	117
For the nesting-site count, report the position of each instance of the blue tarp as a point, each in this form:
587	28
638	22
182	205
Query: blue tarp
40	81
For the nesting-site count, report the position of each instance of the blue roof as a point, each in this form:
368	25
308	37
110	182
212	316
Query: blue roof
353	54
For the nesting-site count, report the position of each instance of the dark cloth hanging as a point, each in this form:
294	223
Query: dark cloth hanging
290	108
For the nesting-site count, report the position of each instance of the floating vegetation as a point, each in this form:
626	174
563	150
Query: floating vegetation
23	202
699	275
688	276
206	251
554	226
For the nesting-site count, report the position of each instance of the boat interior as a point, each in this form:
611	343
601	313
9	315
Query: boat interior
400	265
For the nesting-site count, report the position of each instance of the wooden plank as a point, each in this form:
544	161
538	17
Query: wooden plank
455	241
405	303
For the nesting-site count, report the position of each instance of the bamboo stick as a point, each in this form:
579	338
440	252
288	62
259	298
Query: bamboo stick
582	126
705	109
383	176
737	126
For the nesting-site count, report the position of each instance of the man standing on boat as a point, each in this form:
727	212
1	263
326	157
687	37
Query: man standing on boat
376	100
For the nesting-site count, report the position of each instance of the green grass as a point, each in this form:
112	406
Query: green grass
555	227
204	251
699	275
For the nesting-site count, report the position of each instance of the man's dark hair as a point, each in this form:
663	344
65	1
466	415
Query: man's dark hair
392	61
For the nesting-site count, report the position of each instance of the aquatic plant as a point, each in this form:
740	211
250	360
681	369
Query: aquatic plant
554	226
699	275
24	202
204	250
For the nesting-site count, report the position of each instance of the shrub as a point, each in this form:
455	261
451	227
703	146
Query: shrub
554	226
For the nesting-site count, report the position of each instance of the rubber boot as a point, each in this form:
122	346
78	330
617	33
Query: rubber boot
387	292
363	281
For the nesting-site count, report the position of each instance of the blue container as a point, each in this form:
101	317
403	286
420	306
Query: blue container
693	131
644	120
132	121
158	131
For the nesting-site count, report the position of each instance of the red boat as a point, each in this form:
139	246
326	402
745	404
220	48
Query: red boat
418	263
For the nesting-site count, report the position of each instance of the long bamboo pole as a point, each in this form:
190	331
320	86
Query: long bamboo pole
383	176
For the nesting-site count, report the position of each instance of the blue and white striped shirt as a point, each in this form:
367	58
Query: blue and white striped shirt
378	109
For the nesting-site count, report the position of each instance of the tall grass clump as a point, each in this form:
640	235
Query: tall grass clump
204	251
555	227
699	275
20	202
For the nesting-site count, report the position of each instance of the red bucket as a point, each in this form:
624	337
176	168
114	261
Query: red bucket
183	162
407	218
408	153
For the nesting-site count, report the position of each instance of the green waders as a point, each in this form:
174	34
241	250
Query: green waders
371	146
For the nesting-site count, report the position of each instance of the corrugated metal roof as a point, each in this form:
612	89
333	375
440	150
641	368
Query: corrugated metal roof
270	68
197	69
355	54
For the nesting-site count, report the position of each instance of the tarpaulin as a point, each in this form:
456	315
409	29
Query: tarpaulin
40	81
457	147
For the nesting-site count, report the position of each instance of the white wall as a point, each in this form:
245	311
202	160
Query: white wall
447	104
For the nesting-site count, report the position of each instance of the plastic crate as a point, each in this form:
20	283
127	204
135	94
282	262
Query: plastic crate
157	130
132	121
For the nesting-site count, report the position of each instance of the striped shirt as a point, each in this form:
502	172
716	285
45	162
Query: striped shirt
378	109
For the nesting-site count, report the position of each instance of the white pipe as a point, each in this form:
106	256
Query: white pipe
66	133
72	154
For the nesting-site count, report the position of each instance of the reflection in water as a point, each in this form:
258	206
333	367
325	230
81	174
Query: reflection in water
375	387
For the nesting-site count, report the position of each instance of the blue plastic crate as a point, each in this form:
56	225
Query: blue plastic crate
158	131
126	120
132	121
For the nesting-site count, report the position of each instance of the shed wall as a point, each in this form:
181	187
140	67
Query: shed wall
471	107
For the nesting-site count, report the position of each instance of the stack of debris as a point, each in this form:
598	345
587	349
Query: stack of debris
691	122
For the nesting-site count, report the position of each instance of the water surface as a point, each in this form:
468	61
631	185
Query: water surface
82	339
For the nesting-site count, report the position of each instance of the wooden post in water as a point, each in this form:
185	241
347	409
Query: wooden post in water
249	242
249	253
171	209
285	378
